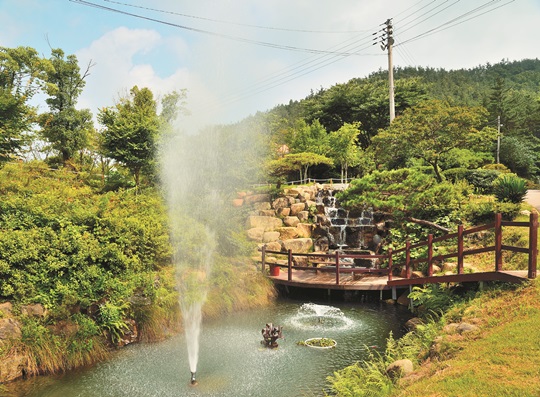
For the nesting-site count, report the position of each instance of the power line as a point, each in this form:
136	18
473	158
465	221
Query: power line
458	20
234	23
221	35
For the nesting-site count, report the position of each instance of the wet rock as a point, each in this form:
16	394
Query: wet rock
413	323
403	299
12	366
282	202
131	335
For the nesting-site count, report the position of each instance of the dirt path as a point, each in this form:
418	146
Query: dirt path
533	198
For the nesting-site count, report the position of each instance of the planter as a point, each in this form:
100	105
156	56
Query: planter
320	343
274	270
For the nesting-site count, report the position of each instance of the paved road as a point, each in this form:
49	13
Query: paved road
533	198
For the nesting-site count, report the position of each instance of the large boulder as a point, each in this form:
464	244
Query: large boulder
399	369
291	221
9	329
35	310
12	367
282	202
256	198
299	245
287	233
269	237
6	308
265	222
255	234
305	230
297	207
285	211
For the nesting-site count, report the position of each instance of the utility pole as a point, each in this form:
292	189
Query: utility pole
498	137
386	44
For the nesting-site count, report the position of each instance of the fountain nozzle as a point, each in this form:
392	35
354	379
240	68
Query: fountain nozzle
193	380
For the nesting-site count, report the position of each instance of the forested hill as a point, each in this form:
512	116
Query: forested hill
510	89
505	95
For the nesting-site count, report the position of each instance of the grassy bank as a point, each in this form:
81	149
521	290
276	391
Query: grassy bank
499	358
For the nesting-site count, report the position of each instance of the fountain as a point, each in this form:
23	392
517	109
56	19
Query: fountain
312	316
271	334
199	173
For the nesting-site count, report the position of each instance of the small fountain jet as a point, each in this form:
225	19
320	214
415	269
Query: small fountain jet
193	381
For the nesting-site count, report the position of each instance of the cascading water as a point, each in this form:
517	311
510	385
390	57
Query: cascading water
346	231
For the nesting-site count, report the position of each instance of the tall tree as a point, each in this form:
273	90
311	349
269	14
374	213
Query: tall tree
22	73
131	129
311	138
344	149
64	127
431	129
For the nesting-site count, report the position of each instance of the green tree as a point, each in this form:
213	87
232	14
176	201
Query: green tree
131	129
344	149
297	162
311	138
431	129
66	128
22	73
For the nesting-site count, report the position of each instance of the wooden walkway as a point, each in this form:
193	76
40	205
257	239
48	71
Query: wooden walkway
340	273
327	280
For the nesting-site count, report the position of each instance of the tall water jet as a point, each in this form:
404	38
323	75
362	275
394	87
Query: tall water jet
200	173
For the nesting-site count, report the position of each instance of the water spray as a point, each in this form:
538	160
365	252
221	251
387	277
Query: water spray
193	381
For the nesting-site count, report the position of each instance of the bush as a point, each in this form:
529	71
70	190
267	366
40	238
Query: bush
510	189
482	180
482	213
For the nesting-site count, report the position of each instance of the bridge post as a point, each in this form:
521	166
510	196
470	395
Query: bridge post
389	264
533	244
337	267
408	259
430	255
460	249
498	242
289	260
263	257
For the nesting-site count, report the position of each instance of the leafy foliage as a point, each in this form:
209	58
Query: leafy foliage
405	191
432	129
510	189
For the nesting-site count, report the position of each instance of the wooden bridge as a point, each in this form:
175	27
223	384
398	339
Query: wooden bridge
339	272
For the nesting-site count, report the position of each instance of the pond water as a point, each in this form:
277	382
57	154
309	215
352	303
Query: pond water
232	360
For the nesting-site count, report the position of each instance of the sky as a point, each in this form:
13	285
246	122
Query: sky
238	57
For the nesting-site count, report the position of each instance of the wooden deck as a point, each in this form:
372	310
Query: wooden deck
342	273
327	280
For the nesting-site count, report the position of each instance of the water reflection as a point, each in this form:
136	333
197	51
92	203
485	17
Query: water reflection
232	360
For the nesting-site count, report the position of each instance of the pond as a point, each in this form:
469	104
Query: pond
233	362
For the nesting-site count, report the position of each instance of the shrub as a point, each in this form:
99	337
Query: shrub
481	213
482	180
510	189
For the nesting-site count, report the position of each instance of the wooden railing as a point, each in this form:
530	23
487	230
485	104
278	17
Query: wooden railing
336	261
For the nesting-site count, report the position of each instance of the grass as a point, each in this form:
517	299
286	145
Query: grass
501	360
